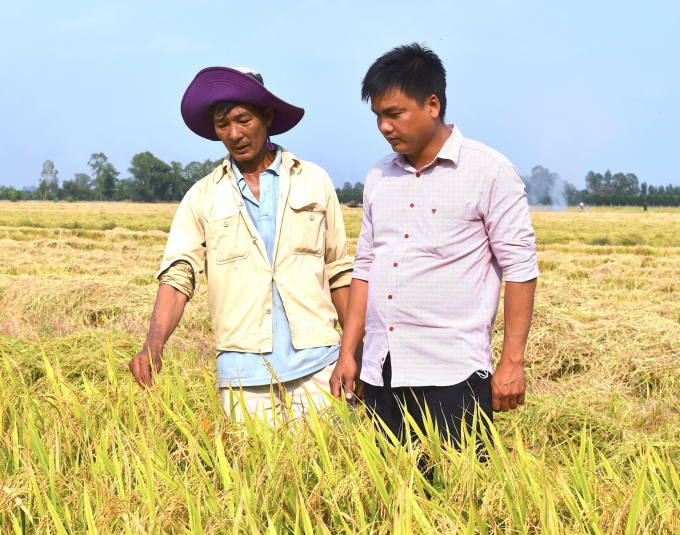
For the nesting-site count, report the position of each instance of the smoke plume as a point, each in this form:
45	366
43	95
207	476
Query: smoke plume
546	189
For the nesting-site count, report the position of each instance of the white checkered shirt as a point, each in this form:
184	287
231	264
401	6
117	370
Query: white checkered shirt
434	245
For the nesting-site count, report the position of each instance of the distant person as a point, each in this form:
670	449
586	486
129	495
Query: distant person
645	206
267	230
582	206
444	217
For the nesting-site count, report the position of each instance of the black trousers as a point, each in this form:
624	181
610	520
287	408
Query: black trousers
450	406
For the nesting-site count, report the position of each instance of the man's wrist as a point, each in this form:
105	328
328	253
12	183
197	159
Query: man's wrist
514	359
346	353
153	348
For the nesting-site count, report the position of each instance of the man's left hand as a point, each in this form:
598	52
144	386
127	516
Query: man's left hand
508	386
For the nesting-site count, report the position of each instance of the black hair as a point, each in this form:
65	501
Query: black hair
413	69
223	107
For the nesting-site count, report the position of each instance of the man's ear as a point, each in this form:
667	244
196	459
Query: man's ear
268	116
434	105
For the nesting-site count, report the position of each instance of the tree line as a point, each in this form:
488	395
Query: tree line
350	193
151	179
546	188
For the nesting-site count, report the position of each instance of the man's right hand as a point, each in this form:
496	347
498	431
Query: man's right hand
345	375
140	367
167	312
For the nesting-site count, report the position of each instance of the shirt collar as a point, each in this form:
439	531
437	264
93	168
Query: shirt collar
449	151
283	157
274	168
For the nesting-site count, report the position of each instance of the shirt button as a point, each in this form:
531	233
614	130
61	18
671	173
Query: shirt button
225	224
240	203
269	311
311	217
254	238
405	235
389	297
418	175
395	264
391	328
411	205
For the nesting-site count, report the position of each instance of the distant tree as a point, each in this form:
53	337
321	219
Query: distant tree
350	193
643	188
672	190
105	175
195	171
152	178
49	181
124	191
625	184
608	184
12	194
78	189
176	191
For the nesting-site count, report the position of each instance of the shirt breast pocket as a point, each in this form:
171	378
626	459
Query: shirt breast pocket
228	238
444	233
307	228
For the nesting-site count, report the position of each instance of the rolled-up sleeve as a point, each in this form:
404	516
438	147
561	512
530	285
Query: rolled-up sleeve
364	257
180	275
508	224
184	257
339	264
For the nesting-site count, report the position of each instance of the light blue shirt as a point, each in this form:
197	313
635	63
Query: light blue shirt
288	363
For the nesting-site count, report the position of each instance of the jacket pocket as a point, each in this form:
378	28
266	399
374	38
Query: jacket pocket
307	228
228	239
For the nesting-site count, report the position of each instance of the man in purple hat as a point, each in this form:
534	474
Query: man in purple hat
267	230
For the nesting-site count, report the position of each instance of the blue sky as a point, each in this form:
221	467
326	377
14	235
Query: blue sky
572	86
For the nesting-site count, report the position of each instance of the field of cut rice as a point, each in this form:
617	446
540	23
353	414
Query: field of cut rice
596	448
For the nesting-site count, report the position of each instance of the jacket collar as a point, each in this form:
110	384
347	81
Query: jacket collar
288	161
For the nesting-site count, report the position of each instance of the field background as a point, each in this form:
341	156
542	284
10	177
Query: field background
594	450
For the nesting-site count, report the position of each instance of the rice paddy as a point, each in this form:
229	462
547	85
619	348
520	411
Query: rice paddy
596	448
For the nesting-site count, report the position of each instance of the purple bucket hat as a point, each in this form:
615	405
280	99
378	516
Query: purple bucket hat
221	83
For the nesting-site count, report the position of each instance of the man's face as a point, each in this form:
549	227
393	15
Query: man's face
244	131
407	125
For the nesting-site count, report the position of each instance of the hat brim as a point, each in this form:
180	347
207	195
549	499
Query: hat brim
221	83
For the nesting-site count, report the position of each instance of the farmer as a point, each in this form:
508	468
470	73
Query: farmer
444	218
266	229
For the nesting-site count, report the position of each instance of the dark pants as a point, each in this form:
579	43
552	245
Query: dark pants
449	406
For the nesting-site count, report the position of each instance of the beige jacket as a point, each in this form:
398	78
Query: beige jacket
212	231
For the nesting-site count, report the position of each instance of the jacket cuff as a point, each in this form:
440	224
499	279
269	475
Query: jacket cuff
341	279
180	275
345	263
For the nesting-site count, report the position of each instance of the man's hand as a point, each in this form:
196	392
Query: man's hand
346	375
508	386
141	367
167	312
508	383
351	306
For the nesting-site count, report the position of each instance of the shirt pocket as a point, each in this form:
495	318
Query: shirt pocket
228	238
443	233
307	228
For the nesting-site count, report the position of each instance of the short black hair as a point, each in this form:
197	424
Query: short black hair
413	69
223	107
